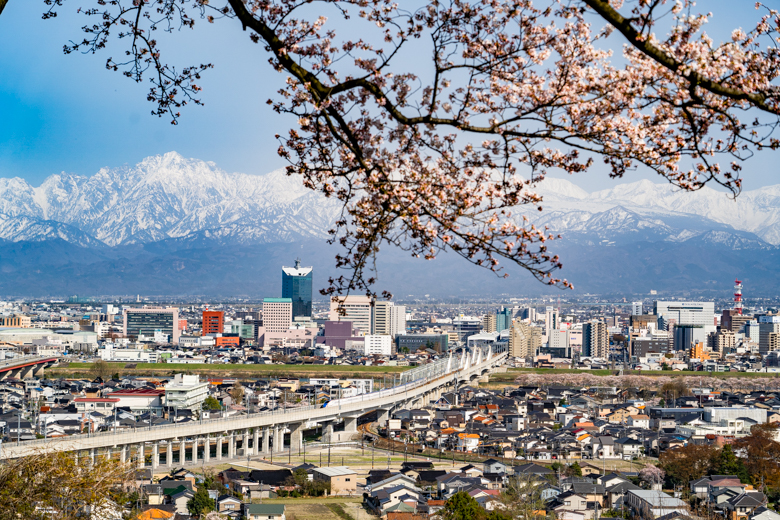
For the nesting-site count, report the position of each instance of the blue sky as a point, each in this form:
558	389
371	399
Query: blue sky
68	113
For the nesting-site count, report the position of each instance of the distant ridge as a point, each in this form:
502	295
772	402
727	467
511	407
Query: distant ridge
171	225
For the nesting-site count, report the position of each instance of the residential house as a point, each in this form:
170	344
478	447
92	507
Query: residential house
653	504
343	481
264	511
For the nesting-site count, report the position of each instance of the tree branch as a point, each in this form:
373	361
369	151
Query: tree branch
641	43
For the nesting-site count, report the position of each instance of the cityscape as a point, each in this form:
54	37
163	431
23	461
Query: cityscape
389	260
591	407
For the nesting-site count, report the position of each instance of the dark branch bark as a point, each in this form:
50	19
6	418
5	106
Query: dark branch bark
640	42
2	5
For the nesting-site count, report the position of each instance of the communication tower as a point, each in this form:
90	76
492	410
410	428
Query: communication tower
738	297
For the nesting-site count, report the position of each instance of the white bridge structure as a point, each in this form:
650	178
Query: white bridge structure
242	436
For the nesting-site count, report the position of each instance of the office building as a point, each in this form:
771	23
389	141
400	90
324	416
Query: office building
409	343
529	313
146	321
752	331
636	309
340	334
558	344
655	344
575	339
768	333
213	322
357	309
277	314
504	319
524	340
595	339
551	320
389	318
296	285
690	322
376	344
466	326
687	313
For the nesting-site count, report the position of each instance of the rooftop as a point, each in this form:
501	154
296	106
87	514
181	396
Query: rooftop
334	471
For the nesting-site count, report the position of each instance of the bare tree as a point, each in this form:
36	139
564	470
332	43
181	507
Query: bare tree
101	369
237	393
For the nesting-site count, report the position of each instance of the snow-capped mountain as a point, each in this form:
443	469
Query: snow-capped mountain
168	196
168	221
163	197
756	211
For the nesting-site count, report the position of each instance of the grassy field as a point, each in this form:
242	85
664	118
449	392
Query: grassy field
231	370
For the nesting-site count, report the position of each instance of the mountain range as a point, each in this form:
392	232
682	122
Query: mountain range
177	226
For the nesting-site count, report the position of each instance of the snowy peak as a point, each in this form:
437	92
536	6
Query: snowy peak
164	196
169	196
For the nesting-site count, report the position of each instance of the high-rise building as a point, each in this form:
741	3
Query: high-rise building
489	323
466	326
357	309
722	341
389	318
504	319
213	322
768	333
146	321
687	313
686	336
529	313
277	314
296	285
524	340
595	339
551	320
636	309
398	320
690	322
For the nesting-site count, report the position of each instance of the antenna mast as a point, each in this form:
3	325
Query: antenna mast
738	297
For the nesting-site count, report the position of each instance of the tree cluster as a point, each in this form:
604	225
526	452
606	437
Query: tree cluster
45	486
300	485
755	459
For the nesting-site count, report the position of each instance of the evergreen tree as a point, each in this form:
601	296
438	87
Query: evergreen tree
461	506
200	503
211	403
726	462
